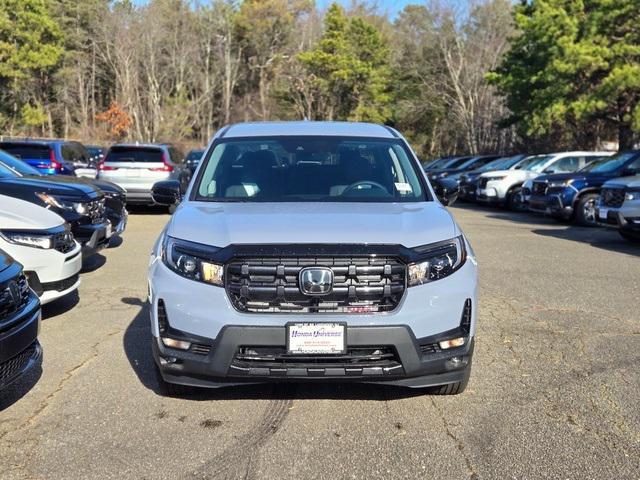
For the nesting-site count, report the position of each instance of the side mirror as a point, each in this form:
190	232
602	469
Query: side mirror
166	192
447	190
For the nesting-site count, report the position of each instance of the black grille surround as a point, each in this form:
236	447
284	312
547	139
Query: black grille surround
482	183
13	367
612	197
14	295
96	210
63	242
362	284
539	188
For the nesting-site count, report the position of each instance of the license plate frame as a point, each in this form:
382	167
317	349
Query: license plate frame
328	348
603	213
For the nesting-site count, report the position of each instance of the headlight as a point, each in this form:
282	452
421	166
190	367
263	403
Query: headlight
438	175
438	260
495	179
29	239
632	194
189	259
53	201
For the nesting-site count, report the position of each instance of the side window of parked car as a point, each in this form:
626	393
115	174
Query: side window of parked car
567	164
175	155
69	154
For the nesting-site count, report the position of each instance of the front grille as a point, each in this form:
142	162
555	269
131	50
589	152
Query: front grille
271	285
275	361
14	295
482	183
612	197
63	242
96	210
15	365
539	188
61	285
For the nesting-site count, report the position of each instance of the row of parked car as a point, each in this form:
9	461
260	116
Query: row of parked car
587	188
60	203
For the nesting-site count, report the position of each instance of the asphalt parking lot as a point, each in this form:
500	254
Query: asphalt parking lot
555	391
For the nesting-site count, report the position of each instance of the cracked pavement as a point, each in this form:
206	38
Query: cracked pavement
554	392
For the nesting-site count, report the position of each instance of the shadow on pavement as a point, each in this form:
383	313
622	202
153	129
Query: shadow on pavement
93	263
60	306
137	347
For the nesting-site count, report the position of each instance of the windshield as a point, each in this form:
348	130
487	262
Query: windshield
610	164
19	167
533	164
455	162
437	163
295	169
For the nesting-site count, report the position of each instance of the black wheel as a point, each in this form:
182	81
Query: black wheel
586	210
455	388
513	201
631	237
172	389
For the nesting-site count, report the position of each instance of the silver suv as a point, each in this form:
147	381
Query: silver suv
137	167
619	206
311	251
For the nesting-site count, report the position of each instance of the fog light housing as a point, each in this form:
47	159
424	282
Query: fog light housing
452	343
177	344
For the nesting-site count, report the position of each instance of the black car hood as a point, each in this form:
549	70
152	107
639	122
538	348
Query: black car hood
102	185
53	184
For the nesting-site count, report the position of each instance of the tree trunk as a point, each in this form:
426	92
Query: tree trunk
625	136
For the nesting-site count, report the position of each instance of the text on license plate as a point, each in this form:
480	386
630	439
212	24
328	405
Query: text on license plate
603	213
316	338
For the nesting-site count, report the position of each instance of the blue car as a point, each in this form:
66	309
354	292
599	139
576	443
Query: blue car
573	196
50	157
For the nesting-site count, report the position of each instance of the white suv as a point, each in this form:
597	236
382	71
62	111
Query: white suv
311	251
43	243
505	186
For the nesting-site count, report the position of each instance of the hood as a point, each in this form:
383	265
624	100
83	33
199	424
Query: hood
631	182
223	224
103	185
511	174
54	185
20	215
561	177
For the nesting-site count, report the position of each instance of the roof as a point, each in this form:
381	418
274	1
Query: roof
140	145
334	129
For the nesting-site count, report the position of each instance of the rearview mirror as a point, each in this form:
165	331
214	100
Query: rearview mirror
166	192
446	189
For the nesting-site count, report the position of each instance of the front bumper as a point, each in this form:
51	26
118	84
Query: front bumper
489	195
92	237
51	274
220	366
19	348
625	218
203	315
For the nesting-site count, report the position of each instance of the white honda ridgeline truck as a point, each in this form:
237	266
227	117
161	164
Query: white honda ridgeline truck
311	251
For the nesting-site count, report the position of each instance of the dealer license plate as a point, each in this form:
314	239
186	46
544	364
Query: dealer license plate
316	338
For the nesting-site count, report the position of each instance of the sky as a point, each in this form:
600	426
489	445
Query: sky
392	7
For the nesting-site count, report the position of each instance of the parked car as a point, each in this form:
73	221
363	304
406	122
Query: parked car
192	160
115	196
137	167
96	153
619	206
468	165
505	187
325	256
573	196
80	204
469	180
49	157
19	323
43	243
436	162
446	190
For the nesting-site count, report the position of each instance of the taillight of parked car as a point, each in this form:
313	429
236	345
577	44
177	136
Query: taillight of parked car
167	167
105	168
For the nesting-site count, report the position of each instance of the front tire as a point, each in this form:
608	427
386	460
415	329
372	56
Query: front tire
512	202
586	210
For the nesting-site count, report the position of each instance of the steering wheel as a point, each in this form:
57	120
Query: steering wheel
357	185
